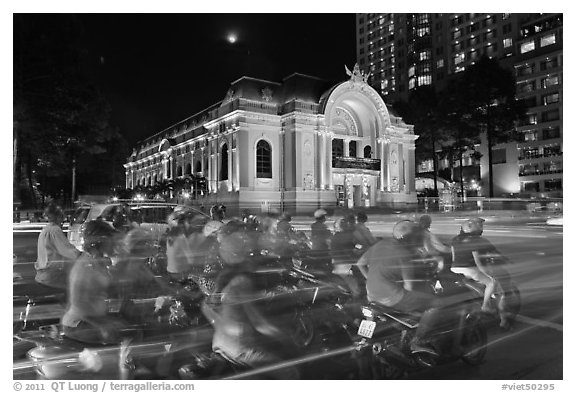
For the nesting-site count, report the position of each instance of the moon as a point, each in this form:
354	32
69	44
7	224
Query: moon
232	38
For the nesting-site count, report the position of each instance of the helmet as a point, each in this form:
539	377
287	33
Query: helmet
425	221
404	229
473	225
138	242
320	213
96	233
361	217
342	224
180	214
53	212
218	212
211	227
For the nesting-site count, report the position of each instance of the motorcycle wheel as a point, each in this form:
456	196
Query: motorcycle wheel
474	342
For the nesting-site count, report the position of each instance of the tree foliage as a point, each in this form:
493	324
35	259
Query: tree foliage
58	112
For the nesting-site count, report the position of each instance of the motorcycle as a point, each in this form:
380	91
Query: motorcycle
153	346
384	336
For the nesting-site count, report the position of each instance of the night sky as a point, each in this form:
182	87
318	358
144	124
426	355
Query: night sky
157	69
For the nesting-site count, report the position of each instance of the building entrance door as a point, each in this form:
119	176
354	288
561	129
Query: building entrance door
357	196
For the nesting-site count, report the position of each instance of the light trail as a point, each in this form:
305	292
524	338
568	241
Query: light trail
294	362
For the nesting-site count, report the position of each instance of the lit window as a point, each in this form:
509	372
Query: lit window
551	80
440	63
548	40
263	160
411	71
507	42
412	83
550	99
424	55
527	47
459	58
424	80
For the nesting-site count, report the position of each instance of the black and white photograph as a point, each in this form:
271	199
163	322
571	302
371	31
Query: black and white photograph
293	194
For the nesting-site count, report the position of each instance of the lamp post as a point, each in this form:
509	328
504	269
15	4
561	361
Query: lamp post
72	142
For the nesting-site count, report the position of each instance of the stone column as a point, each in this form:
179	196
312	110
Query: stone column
230	158
411	171
329	161
346	144
383	167
401	157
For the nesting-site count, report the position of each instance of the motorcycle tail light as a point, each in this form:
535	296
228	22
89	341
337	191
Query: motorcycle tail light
367	312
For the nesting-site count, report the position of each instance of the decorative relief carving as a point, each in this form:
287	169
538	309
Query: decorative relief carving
267	94
229	95
344	118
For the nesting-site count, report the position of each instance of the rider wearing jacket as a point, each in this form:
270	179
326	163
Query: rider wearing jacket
243	333
390	275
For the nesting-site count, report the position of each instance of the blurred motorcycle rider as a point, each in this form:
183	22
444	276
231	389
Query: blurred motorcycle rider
133	279
469	253
362	234
432	244
86	318
185	242
389	280
242	332
212	263
320	238
56	255
344	252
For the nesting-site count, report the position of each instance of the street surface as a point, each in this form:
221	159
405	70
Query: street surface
532	350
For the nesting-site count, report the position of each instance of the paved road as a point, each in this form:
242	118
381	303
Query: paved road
533	350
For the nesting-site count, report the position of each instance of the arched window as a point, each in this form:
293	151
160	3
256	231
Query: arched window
352	149
179	171
368	151
263	160
188	169
198	167
224	162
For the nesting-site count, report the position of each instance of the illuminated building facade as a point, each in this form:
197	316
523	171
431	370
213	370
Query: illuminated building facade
404	51
294	145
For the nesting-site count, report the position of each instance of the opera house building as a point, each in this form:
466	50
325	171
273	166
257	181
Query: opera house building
293	145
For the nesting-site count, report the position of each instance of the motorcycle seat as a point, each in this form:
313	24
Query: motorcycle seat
407	318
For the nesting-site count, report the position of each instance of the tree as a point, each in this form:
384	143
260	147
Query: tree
422	110
56	102
482	99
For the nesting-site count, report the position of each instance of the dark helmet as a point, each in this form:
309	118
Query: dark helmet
425	221
96	234
53	212
218	212
473	225
361	217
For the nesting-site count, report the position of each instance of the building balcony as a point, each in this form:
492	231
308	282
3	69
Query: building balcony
535	156
372	164
540	173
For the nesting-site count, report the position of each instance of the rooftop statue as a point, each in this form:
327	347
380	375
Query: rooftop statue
357	75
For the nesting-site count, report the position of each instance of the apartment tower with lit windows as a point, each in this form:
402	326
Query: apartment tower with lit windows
404	51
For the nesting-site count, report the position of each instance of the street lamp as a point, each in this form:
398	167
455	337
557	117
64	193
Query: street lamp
73	142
